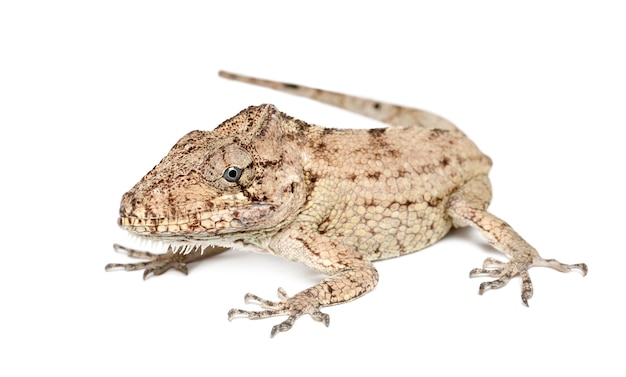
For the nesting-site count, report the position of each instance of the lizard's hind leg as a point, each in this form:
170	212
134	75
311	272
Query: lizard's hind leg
467	207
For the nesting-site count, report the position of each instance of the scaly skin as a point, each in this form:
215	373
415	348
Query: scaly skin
333	199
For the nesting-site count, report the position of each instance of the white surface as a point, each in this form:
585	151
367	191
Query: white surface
92	96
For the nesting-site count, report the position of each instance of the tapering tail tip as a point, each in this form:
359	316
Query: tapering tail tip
225	74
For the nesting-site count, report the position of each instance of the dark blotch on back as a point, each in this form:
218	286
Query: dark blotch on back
377	132
435	133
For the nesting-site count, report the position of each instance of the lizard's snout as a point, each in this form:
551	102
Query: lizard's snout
128	204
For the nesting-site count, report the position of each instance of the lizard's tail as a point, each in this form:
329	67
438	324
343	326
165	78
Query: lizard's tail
385	112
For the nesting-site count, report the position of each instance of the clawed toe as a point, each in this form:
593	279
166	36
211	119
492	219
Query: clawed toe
158	267
265	304
501	281
284	325
491	267
562	267
503	277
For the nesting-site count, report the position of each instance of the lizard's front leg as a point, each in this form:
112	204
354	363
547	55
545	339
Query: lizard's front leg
467	207
156	264
350	277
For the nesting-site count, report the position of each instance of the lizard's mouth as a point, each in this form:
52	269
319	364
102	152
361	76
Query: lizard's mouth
183	228
184	236
201	225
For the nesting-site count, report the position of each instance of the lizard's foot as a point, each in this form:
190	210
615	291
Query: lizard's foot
156	264
294	307
504	271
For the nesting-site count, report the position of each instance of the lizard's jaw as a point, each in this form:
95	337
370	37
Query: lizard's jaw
199	226
181	237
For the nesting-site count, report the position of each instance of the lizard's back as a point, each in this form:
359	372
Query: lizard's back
384	190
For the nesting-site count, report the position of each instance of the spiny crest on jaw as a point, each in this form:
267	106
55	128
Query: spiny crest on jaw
243	177
185	249
165	245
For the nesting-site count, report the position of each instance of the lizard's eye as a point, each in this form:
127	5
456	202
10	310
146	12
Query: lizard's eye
232	174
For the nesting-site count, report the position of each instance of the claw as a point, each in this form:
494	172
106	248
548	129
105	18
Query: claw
321	317
284	325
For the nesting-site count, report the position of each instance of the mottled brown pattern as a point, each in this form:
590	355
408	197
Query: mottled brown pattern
334	200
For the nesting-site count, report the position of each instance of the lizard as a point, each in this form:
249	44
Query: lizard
333	199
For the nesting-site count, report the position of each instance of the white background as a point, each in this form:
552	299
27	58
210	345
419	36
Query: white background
93	94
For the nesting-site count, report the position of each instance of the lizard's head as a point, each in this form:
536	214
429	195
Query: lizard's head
240	182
